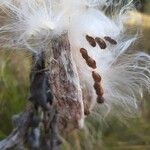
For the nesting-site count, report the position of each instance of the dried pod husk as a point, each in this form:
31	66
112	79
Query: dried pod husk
65	85
101	43
110	40
91	40
96	76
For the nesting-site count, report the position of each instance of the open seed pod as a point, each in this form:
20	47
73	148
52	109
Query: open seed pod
81	38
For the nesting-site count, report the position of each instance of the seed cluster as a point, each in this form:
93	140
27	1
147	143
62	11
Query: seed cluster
98	88
101	42
92	63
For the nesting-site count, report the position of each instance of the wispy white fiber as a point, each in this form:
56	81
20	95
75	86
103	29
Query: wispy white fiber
125	75
31	22
40	19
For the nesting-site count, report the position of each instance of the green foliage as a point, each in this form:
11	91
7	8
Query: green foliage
13	89
147	6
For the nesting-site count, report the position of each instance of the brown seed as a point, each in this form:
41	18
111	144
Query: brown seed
110	40
101	43
91	40
84	53
86	112
98	89
96	76
91	63
100	100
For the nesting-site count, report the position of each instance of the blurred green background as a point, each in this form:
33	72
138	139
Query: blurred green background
106	135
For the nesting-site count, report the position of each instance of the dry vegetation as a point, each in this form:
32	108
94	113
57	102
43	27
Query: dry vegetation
109	135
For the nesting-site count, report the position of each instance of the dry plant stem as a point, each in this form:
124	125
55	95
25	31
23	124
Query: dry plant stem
52	139
26	121
18	134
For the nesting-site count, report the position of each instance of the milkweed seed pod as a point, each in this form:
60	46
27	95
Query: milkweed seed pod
96	42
